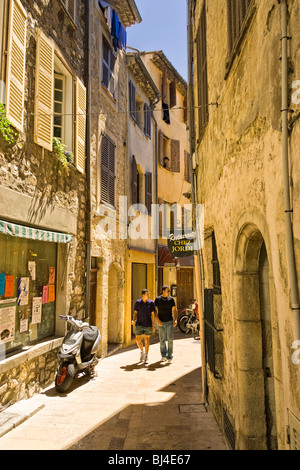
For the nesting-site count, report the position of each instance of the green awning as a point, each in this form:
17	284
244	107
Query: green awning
16	230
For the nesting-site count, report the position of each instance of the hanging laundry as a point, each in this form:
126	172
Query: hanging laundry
122	37
107	11
115	29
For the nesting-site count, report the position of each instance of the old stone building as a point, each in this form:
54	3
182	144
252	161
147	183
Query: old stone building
42	187
108	170
141	250
245	57
173	173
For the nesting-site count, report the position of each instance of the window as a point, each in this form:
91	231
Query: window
215	265
148	192
107	171
59	106
108	65
55	107
237	12
147	120
134	182
202	74
70	6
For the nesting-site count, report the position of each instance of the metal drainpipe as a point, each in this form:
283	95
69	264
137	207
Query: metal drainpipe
286	177
197	257
88	166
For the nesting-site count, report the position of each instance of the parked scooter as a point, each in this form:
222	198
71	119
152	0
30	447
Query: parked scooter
78	352
189	321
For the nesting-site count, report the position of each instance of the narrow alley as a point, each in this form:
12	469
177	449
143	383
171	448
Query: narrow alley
128	406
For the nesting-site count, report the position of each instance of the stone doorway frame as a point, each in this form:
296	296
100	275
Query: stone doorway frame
250	423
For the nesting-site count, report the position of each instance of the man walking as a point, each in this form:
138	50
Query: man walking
166	315
144	321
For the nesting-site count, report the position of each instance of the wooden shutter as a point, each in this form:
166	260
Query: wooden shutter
160	147
148	192
185	109
44	77
187	166
80	125
175	156
72	9
107	170
147	120
132	100
173	93
16	65
134	181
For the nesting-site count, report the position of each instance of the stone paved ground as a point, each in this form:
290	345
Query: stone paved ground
127	407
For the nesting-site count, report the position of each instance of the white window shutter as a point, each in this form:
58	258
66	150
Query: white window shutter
43	118
16	65
80	125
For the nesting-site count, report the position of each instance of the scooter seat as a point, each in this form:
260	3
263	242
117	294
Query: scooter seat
90	334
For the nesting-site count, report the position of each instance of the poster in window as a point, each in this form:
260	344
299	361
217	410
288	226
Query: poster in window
36	310
31	269
45	295
23	291
7	324
23	325
2	283
51	275
9	286
51	293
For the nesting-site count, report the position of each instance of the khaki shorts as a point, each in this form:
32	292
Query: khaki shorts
143	330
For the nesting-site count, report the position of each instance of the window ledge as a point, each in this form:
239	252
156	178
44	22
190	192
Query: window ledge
108	93
29	353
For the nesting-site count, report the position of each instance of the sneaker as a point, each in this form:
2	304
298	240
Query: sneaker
163	359
169	361
146	359
142	356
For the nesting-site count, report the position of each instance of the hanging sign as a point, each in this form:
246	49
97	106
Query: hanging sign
180	245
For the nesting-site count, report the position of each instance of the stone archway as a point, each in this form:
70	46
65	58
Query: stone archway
252	325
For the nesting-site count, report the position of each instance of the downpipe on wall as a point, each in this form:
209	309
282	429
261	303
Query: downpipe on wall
197	257
294	292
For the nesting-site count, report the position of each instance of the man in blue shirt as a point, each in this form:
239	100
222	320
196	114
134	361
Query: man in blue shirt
144	321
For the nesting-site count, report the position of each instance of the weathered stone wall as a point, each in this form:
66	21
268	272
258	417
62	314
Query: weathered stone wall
21	379
108	116
240	183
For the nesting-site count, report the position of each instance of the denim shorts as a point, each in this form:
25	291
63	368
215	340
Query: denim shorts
143	330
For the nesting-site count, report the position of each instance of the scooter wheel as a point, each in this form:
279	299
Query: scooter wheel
182	323
64	377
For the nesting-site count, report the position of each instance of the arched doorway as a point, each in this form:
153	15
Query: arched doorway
256	424
267	349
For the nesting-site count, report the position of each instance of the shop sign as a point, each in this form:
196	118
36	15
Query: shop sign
180	245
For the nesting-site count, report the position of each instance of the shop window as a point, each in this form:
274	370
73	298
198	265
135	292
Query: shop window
27	291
